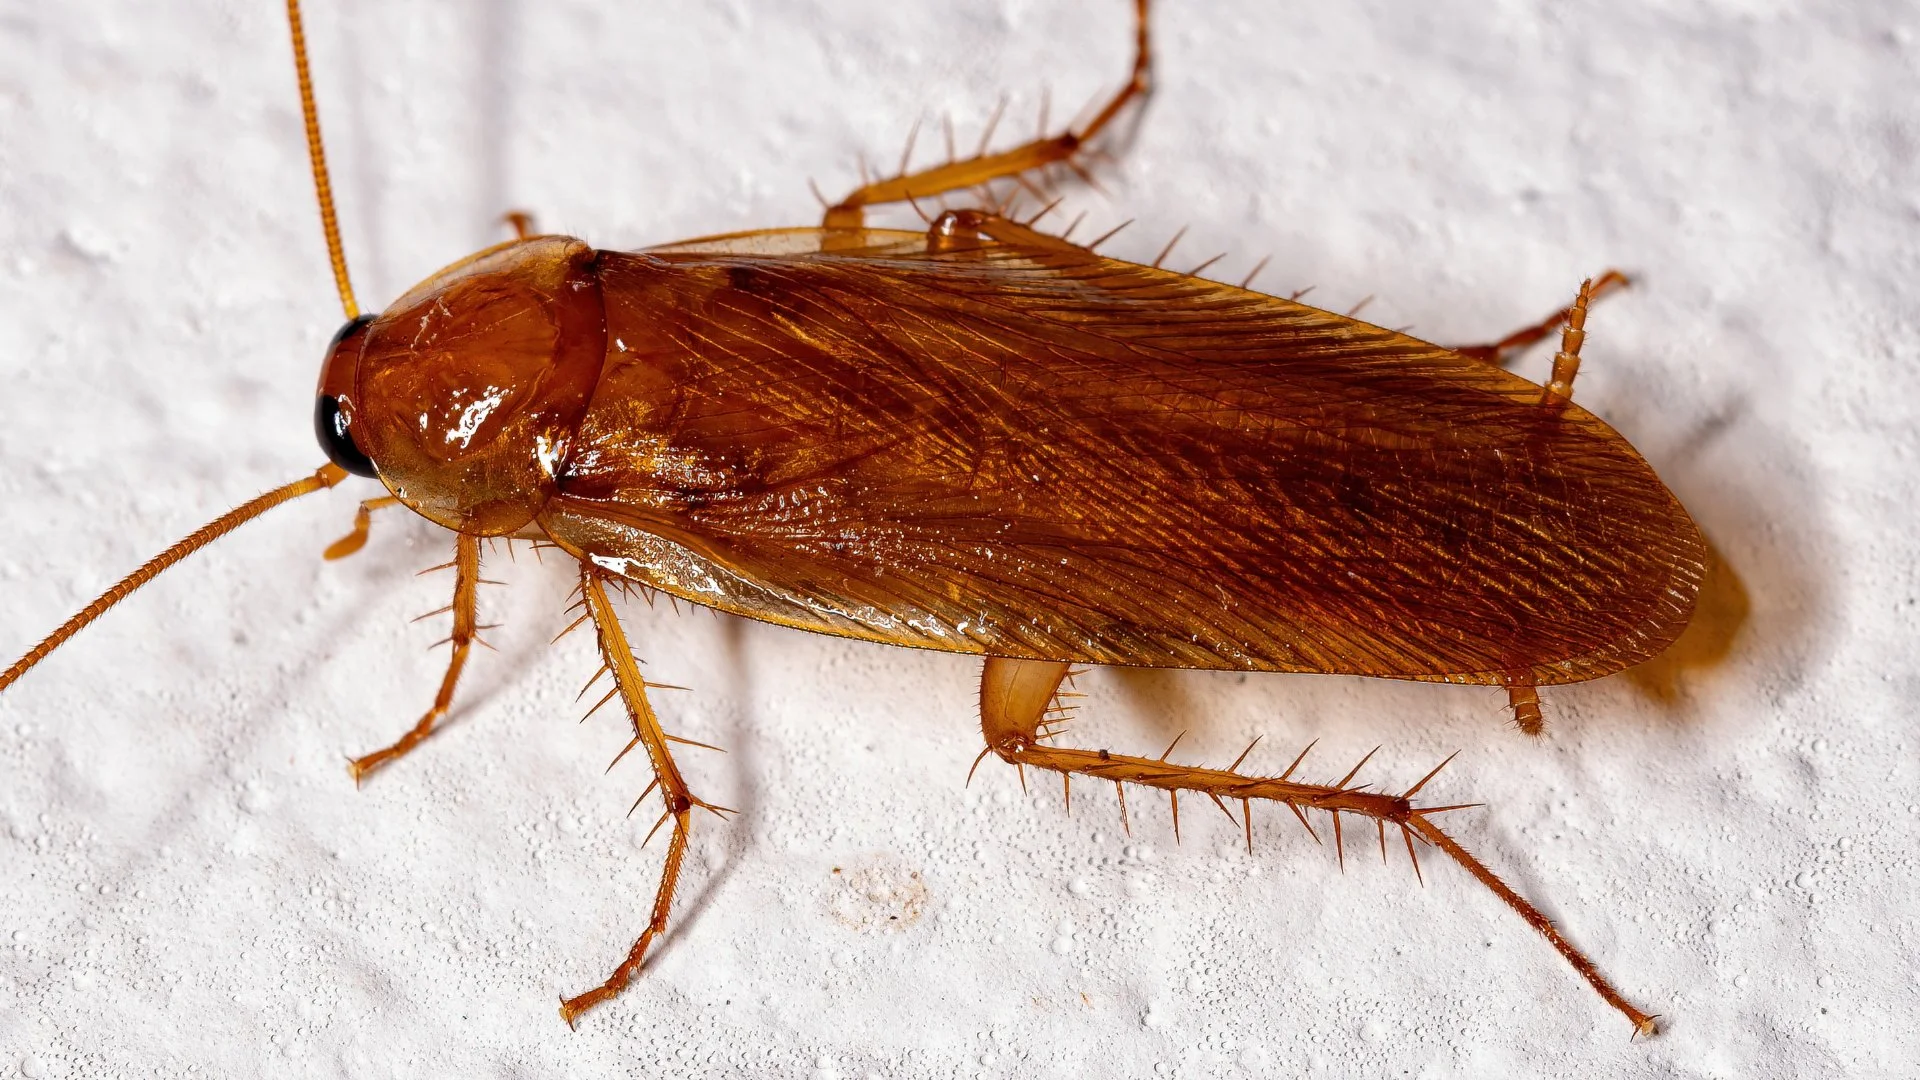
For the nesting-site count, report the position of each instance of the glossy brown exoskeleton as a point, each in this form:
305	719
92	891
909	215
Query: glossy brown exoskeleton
982	438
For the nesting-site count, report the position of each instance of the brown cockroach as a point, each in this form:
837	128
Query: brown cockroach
984	438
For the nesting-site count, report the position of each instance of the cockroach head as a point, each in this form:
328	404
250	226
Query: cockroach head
463	396
331	420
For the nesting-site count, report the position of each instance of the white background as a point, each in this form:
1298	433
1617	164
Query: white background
190	885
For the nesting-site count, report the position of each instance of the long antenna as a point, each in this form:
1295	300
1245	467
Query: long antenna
326	477
317	153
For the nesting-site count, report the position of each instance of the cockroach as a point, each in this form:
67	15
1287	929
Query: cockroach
985	438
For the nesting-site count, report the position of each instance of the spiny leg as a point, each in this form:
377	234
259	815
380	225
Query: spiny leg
362	523
465	608
1500	352
617	659
1016	695
983	168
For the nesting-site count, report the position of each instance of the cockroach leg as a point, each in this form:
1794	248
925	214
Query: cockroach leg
1015	696
1566	362
983	168
466	586
678	801
959	229
1499	353
1525	703
362	522
520	222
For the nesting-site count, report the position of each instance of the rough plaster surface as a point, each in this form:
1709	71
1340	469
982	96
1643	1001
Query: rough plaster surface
190	885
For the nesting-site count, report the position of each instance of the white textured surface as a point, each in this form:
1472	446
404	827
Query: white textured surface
188	880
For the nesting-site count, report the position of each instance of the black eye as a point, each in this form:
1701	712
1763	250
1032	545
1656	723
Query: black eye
330	424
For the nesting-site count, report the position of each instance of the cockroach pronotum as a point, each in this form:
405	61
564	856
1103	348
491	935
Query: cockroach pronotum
981	437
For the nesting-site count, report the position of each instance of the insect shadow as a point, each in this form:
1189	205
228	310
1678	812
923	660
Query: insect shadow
1762	595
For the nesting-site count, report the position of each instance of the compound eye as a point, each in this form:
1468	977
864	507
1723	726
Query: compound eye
331	418
330	424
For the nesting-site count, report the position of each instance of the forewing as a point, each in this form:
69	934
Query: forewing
1038	452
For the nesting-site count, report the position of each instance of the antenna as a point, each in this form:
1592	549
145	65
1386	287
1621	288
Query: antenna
326	477
317	153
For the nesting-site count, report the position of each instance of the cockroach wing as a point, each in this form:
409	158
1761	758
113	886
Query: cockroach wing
1037	452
